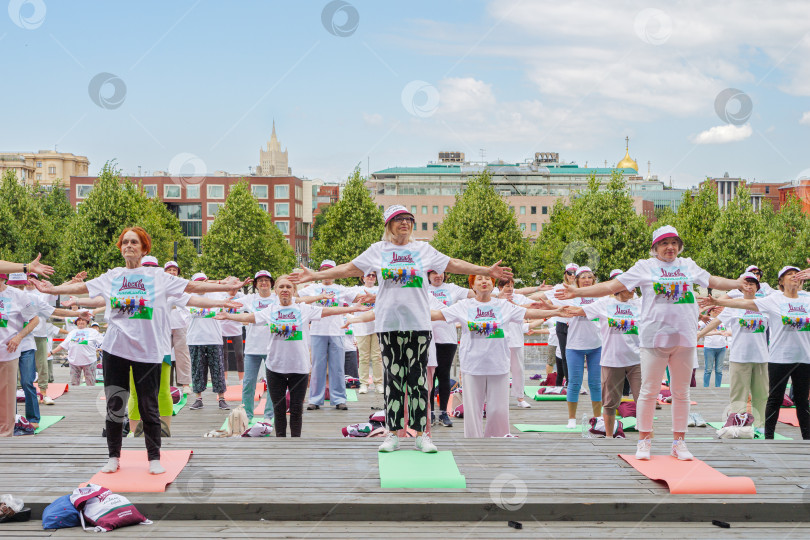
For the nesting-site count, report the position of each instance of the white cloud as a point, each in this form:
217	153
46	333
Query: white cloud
805	119
373	119
723	134
465	94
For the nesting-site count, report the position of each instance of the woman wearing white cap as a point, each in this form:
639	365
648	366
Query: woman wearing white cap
561	323
257	340
402	317
668	337
138	320
583	344
748	353
327	343
789	348
619	317
178	322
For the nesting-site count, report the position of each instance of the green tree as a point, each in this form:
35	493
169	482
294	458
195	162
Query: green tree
696	218
243	239
164	229
730	246
29	232
352	224
783	239
599	229
480	228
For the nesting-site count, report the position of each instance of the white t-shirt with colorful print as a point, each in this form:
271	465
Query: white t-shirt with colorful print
668	306
340	296
790	327
447	294
583	332
402	301
619	327
16	309
484	348
81	345
203	329
749	342
257	336
288	348
138	310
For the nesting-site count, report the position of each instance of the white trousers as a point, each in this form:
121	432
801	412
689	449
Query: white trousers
492	390
517	369
654	362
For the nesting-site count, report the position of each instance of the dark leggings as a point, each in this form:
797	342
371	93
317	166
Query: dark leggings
445	353
799	375
405	358
562	365
116	391
277	385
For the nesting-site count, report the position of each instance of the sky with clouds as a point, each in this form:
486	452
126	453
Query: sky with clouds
701	88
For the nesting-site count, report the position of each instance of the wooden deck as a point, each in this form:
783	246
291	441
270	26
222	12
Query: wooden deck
323	480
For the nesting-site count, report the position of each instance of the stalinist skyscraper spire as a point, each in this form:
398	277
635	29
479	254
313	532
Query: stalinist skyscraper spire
273	162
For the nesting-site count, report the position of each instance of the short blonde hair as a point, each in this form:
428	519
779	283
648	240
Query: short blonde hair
388	235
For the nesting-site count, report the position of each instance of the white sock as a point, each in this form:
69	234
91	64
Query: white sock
155	467
111	466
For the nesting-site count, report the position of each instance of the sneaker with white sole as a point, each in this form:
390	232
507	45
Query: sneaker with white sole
643	449
198	404
680	451
424	444
47	400
523	405
380	389
363	389
390	444
572	423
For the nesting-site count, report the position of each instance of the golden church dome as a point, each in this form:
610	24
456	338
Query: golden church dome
627	162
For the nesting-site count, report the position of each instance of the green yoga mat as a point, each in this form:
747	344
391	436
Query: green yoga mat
547	428
757	436
351	394
531	392
413	469
177	407
47	421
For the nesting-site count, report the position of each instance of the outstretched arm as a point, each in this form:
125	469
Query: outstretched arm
207	303
707	330
457	266
330	311
35	266
741	303
244	318
724	284
231	285
606	288
345	270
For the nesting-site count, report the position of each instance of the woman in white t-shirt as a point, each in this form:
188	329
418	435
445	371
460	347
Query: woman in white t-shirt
714	350
789	348
138	300
747	354
368	345
484	354
514	337
668	337
402	317
81	345
178	320
288	356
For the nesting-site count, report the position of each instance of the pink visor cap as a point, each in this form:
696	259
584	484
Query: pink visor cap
667	231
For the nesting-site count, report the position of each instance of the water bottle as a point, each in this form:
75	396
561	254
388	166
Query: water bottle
586	434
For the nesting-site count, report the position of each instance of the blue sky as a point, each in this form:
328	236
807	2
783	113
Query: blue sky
410	79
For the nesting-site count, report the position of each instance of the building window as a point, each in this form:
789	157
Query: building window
189	212
522	226
424	225
298	193
39	164
435	209
282	191
83	190
216	191
39	176
171	191
424	209
150	190
512	209
522	210
446	209
282	209
213	208
413	209
193	192
260	192
544	210
435	226
299	210
283	226
534	227
51	170
767	190
533	210
263	206
210	223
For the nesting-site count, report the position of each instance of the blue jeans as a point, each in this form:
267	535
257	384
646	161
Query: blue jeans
28	370
576	366
327	351
254	364
713	358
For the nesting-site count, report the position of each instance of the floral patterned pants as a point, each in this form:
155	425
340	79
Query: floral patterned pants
405	358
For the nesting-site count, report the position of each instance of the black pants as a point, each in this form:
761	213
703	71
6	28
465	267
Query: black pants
350	366
277	385
234	353
116	390
405	358
562	364
799	375
445	353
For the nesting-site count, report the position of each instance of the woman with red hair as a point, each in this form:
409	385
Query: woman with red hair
137	338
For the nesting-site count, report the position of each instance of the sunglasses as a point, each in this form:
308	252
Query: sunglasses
400	219
570	272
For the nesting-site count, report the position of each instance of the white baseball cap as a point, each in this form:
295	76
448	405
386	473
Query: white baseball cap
582	269
328	263
781	272
17	278
749	275
393	211
171	264
615	272
667	231
148	260
571	267
199	276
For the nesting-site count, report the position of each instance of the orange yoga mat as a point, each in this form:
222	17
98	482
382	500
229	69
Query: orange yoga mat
259	409
691	477
234	393
788	416
133	475
56	390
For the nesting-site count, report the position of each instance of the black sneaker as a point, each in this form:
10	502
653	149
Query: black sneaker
341	407
223	405
312	407
444	418
432	418
198	404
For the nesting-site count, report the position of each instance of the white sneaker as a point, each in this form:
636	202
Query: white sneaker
680	451
524	405
643	449
380	389
390	444
424	444
47	400
572	423
363	389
